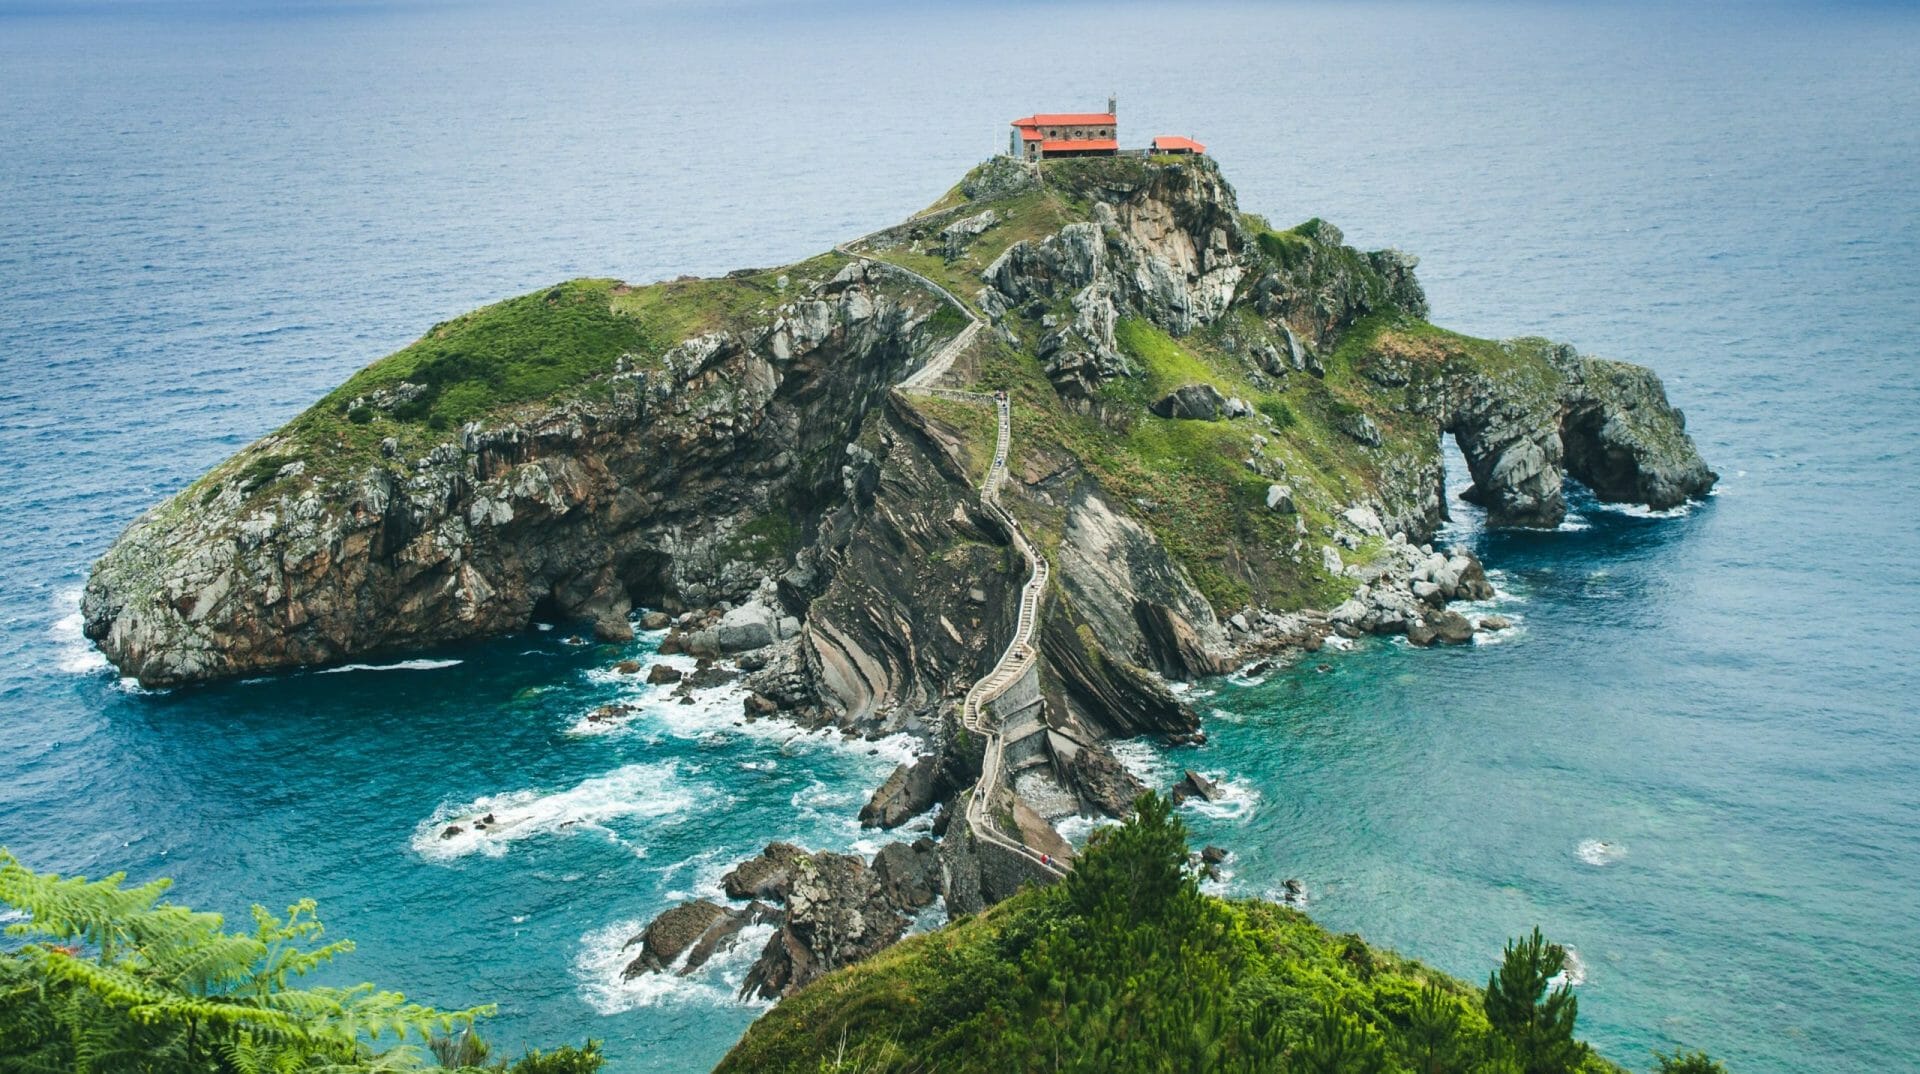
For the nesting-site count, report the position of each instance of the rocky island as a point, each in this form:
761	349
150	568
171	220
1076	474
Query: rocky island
1078	430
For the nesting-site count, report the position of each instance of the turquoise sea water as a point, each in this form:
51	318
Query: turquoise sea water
210	214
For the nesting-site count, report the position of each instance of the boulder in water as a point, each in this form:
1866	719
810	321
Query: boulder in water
1194	785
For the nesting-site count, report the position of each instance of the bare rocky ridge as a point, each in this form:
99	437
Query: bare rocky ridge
890	590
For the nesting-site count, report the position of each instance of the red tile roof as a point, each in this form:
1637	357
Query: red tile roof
1174	141
1066	119
1028	134
1066	145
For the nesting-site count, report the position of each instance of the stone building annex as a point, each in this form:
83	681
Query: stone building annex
1047	135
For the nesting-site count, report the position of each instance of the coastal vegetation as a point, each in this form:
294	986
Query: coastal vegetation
1127	966
101	977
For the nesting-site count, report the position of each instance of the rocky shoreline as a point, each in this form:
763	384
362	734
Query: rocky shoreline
831	909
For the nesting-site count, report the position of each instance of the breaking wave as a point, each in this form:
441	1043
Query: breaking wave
635	790
403	665
74	654
1599	852
604	956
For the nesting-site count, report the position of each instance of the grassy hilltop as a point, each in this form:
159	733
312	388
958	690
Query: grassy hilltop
1127	967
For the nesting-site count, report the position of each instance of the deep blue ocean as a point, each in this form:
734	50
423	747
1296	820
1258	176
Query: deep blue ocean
1695	761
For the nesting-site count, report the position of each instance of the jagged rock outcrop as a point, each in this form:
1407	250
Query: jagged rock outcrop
911	790
837	912
1166	243
1102	690
830	910
697	930
767	875
1317	286
1624	440
908	874
886	643
1196	402
1138	600
1524	429
1102	784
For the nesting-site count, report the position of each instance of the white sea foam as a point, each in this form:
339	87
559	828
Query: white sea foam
1147	762
1599	852
1237	798
604	956
404	665
75	655
1517	628
1573	523
868	841
635	790
1078	829
717	713
1574	974
1641	510
818	797
703	870
1338	643
1280	894
929	917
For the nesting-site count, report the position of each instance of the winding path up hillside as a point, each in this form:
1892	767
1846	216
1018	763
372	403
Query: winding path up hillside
1019	656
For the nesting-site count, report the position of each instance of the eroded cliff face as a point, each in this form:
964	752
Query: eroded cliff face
658	486
909	588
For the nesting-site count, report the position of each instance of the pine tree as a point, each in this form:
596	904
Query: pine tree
1340	1044
1688	1063
1538	1025
1433	1041
1136	872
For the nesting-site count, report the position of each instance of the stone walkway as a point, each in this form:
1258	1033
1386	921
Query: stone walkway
1014	664
1018	660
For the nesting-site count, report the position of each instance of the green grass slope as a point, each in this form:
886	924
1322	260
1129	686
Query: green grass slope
533	352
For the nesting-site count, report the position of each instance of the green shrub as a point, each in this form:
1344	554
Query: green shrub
262	469
1688	1063
112	978
1279	411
